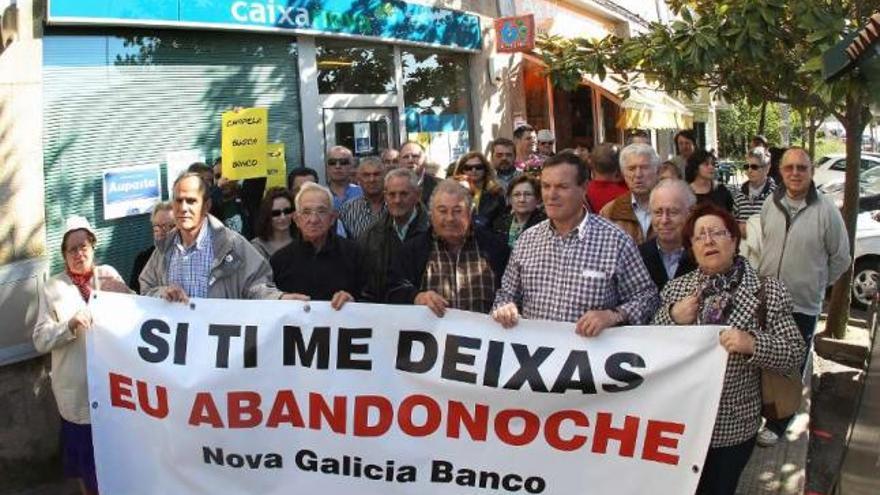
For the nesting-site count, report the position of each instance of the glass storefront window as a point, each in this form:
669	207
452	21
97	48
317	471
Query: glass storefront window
364	69
574	118
537	96
435	91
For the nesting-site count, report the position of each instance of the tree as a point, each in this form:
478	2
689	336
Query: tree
751	50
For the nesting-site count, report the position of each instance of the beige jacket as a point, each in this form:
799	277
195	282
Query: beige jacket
238	271
59	301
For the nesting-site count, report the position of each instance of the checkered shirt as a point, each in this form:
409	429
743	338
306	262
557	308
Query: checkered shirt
779	346
357	216
191	268
464	279
595	266
745	206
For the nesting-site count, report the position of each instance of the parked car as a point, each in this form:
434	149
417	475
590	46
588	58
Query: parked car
832	168
869	190
866	273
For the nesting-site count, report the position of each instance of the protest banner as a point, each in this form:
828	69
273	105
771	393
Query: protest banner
277	397
243	142
276	167
130	190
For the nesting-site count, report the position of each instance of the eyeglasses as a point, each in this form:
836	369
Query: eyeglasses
338	162
714	235
470	168
752	166
800	167
320	213
523	194
284	211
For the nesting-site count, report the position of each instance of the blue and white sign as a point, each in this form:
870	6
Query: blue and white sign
131	190
382	19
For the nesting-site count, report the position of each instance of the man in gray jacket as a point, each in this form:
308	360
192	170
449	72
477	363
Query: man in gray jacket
805	245
203	258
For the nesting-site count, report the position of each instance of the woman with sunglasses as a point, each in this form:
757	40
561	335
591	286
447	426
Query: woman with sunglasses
749	197
758	333
273	222
700	174
488	195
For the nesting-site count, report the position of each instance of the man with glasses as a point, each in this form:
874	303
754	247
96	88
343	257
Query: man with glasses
805	245
162	221
318	263
412	156
748	198
501	159
665	257
340	163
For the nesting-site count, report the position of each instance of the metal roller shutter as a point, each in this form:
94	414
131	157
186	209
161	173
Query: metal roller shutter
129	97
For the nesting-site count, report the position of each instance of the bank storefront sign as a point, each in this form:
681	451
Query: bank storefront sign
383	19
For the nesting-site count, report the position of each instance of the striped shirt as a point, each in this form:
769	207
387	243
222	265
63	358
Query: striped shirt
190	268
746	205
595	266
357	216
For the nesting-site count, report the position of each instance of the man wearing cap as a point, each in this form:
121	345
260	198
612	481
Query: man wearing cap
546	141
203	258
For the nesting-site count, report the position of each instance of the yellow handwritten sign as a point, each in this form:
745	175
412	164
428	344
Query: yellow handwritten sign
276	168
244	139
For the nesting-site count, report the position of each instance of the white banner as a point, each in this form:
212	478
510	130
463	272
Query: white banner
272	397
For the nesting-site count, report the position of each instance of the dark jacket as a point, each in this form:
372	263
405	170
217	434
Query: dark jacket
719	195
337	266
429	182
380	245
650	252
492	206
501	226
140	261
407	269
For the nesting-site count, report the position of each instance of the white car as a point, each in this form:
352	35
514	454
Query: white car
832	168
869	186
867	256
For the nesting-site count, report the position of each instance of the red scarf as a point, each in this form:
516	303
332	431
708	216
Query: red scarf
81	281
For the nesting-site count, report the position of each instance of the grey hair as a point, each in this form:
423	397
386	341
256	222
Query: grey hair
313	187
402	173
682	188
371	160
161	206
761	154
451	186
639	149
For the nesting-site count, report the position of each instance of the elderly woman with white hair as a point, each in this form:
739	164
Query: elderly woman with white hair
63	321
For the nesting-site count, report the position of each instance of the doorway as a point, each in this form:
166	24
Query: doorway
365	131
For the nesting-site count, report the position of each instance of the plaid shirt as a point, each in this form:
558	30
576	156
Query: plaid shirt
779	346
595	266
357	216
465	279
190	268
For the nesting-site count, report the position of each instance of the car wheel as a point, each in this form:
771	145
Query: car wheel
866	277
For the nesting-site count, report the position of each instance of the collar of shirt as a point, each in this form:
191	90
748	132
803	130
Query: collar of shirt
401	231
671	259
202	240
643	215
580	230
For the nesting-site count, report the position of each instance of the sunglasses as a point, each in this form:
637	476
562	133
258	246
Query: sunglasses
752	166
471	168
285	211
799	167
338	162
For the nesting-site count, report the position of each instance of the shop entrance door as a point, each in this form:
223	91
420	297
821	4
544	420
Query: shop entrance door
365	131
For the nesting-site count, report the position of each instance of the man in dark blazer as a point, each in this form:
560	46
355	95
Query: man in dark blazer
665	256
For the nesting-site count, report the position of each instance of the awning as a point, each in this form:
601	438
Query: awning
650	109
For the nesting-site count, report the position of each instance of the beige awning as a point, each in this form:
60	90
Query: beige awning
650	109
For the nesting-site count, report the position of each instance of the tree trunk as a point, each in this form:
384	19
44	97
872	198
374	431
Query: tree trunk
838	312
763	120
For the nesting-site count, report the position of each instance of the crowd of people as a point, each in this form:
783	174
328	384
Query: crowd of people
609	238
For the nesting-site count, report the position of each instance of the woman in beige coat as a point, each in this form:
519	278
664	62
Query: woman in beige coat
62	323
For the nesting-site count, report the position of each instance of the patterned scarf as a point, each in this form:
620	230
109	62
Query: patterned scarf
81	281
716	293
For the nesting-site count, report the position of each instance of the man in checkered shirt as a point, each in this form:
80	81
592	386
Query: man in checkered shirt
575	266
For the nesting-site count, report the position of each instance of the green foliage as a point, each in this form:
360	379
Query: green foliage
739	122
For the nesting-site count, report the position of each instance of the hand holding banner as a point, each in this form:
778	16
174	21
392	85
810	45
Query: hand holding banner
244	137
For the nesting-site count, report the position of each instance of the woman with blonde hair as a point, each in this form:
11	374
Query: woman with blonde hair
488	194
